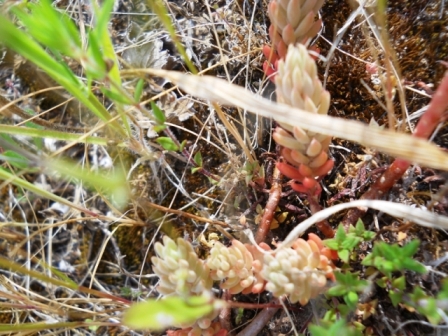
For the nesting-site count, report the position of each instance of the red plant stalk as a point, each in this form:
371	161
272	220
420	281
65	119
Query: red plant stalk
268	215
323	226
259	322
292	22
225	315
425	127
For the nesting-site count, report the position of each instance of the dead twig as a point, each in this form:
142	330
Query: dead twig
258	322
182	213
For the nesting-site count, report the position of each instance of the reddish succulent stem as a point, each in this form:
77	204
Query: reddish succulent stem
271	205
258	322
425	127
226	314
323	226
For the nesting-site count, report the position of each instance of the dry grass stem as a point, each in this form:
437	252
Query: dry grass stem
419	216
399	145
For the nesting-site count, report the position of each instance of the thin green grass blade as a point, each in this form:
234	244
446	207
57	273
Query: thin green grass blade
114	184
23	327
19	182
103	37
159	8
24	45
65	136
58	32
8	264
100	36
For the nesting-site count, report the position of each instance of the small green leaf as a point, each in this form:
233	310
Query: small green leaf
139	90
239	316
350	242
344	255
395	297
340	234
360	229
337	290
158	114
399	283
411	248
337	328
368	235
412	265
351	299
161	314
390	252
195	169
182	145
92	327
368	260
332	244
158	128
382	282
198	159
213	181
167	144
387	267
116	96
15	159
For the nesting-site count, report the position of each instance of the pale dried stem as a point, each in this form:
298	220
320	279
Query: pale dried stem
422	217
392	143
181	213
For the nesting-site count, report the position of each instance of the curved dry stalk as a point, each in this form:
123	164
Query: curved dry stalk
419	216
399	145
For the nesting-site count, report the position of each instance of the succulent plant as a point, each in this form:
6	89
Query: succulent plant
180	270
292	22
306	152
299	272
237	266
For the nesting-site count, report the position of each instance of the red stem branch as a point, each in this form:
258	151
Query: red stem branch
425	127
323	226
258	322
271	205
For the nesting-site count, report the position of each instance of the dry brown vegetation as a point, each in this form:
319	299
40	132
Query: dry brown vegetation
109	249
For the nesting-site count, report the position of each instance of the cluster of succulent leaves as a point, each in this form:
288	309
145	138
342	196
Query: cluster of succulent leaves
433	308
390	262
334	328
390	258
345	243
